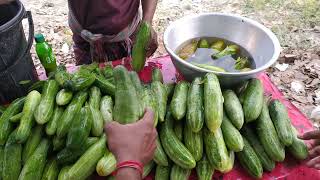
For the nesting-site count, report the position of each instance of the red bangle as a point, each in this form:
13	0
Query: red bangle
132	164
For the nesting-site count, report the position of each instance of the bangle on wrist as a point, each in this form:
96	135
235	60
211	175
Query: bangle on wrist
131	164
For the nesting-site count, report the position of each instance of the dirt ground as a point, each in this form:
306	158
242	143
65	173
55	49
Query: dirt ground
295	22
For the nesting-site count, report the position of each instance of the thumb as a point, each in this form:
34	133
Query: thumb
148	117
109	127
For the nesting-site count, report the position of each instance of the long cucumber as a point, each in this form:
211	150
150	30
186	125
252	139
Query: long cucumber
213	102
44	111
195	114
27	120
70	112
174	148
5	126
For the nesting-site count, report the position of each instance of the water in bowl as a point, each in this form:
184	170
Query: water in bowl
204	55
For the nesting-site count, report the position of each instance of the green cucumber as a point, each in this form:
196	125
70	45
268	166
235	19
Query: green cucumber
32	143
139	48
70	112
170	90
106	109
218	45
162	172
279	116
147	169
195	115
126	107
64	97
89	67
107	71
231	135
11	158
62	76
161	98
203	43
63	174
51	126
81	80
95	97
204	170
178	130
266	162
86	164
16	118
157	75
79	130
104	85
160	156
51	170
178	104
138	87
27	120
97	121
268	136
179	173
216	149
94	105
213	102
298	149
253	100
44	111
34	166
230	163
69	156
174	148
107	164
249	160
193	142
233	108
148	101
5	126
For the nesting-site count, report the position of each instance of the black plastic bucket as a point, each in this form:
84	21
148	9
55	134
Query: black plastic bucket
16	65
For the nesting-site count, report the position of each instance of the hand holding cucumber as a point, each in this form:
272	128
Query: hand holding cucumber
314	148
135	141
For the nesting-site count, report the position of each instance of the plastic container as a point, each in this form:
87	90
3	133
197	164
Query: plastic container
45	54
16	65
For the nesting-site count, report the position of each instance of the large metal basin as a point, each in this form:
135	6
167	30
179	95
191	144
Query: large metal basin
258	40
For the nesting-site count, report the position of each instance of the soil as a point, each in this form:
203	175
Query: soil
295	22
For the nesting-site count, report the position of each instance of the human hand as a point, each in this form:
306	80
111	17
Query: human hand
136	141
153	43
314	148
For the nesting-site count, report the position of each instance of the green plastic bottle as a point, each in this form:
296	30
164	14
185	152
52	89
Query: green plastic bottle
44	52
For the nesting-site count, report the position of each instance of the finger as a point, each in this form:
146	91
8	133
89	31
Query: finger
314	151
148	117
313	144
310	135
313	161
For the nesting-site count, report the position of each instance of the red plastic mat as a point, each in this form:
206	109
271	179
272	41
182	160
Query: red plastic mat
289	169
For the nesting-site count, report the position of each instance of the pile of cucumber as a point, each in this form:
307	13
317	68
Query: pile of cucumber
56	131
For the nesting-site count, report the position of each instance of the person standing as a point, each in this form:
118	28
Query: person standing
104	30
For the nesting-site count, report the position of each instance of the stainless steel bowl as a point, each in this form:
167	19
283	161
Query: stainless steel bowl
258	40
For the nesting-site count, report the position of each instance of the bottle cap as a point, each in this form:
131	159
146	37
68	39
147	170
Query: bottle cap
39	38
